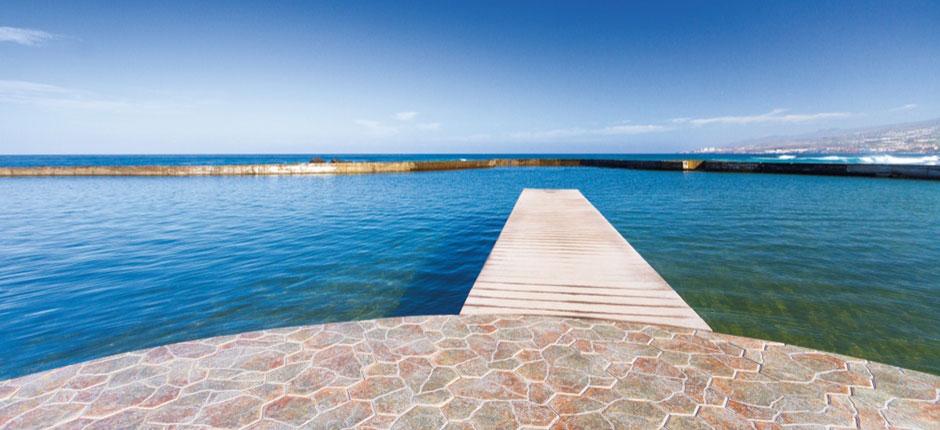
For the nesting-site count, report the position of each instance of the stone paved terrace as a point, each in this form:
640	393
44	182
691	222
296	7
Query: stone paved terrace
474	372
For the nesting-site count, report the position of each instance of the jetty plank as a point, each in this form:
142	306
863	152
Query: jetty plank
557	255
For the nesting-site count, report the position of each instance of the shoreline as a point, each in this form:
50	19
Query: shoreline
900	171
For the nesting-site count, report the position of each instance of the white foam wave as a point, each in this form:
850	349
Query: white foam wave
925	160
929	160
827	158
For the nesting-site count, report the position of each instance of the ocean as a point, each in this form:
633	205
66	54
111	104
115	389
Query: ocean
92	266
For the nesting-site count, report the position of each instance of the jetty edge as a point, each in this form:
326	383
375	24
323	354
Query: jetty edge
902	171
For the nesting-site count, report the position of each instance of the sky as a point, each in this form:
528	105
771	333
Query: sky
131	77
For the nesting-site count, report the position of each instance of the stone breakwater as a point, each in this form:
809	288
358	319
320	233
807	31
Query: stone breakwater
336	168
339	168
474	372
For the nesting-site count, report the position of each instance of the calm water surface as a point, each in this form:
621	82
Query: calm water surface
96	266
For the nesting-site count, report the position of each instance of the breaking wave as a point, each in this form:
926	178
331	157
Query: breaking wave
924	160
929	160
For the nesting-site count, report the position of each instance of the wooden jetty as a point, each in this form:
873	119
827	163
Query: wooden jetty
557	255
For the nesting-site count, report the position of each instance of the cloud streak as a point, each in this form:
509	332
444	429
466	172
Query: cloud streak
404	125
45	95
581	133
25	36
774	116
905	108
405	116
428	126
627	129
376	128
56	97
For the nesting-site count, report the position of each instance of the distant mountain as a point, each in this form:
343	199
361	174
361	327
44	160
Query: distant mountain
913	138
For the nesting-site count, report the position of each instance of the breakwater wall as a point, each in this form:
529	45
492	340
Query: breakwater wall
335	168
906	171
340	168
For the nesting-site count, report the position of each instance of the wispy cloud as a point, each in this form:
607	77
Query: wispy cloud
402	124
580	132
472	138
557	133
406	116
628	129
905	108
25	36
428	126
376	128
774	116
25	89
34	93
56	97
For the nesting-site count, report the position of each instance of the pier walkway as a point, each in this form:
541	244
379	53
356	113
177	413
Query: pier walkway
558	256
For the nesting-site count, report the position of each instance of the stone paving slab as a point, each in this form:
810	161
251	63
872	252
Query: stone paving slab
557	255
474	372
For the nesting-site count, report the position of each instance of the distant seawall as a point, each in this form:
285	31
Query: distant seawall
905	171
339	168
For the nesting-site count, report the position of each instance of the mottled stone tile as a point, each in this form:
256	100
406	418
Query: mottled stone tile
310	380
532	415
912	413
589	421
437	397
116	399
451	357
103	366
474	372
494	416
190	350
567	404
496	385
460	408
46	414
236	412
647	387
374	387
122	420
420	417
345	415
440	377
293	410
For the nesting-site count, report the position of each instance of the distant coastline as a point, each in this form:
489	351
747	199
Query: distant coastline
896	139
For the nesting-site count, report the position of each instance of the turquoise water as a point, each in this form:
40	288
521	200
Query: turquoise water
95	266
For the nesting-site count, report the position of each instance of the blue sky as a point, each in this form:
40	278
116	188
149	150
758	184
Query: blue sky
442	76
